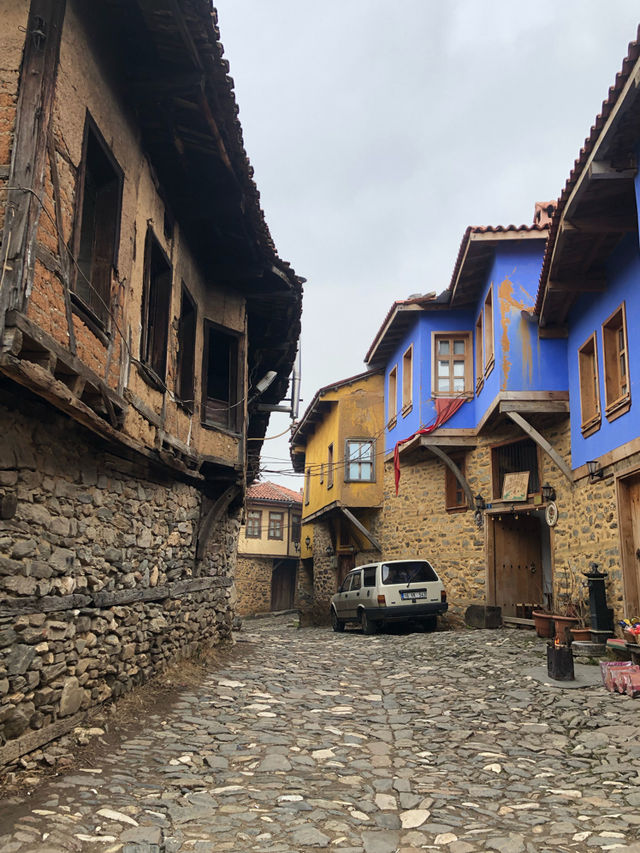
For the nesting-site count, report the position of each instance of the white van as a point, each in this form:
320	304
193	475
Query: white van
392	591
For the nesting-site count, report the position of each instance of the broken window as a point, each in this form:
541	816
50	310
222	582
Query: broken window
155	308
254	524
97	230
359	460
589	386
275	525
330	466
307	486
616	364
221	378
186	349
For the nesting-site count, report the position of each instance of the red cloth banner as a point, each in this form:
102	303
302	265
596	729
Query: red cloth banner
446	407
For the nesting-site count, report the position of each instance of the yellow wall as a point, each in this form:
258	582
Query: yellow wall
264	546
356	411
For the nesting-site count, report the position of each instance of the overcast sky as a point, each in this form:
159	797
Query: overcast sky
379	131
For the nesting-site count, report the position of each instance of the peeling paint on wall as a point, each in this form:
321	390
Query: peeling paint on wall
510	308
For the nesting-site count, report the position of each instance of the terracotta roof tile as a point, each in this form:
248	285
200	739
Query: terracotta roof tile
273	492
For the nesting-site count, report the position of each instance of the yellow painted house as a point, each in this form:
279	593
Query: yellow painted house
338	445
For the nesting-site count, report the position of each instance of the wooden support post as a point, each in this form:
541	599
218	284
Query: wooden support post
542	442
26	177
208	522
457	473
359	526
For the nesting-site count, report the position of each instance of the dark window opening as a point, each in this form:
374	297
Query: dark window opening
186	349
220	379
513	458
98	224
295	528
156	306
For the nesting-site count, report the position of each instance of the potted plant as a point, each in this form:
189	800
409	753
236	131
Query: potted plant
573	608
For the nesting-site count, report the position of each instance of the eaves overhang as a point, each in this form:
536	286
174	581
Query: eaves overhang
597	206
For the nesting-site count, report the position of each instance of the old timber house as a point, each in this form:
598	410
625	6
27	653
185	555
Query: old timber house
141	302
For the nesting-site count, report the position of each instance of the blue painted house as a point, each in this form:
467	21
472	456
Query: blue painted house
590	294
471	394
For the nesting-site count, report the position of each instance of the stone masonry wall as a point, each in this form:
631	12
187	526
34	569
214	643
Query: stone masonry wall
82	534
253	584
416	522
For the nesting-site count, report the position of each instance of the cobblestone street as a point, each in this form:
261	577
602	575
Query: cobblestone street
303	739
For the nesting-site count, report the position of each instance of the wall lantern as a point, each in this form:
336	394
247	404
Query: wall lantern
548	493
329	551
307	542
480	502
595	471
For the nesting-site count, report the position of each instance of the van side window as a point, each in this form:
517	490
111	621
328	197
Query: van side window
346	584
370	576
356	583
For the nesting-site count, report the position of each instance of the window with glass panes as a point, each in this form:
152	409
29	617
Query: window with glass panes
254	524
616	364
275	525
452	358
359	460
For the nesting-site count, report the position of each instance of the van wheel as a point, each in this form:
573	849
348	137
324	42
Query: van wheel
368	627
336	624
430	623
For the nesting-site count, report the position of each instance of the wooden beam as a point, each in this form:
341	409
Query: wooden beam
561	331
14	749
457	473
38	77
604	224
600	171
359	526
448	440
578	285
208	522
542	442
535	406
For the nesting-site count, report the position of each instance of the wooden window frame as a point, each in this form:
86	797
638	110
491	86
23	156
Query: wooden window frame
347	461
279	536
489	349
234	419
479	353
452	487
392	399
589	380
307	485
407	385
156	312
468	363
296	527
617	401
186	356
321	473
330	471
98	316
248	528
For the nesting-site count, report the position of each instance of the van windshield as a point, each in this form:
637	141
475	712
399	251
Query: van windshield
409	571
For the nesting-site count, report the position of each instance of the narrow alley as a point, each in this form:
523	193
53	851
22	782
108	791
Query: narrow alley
303	739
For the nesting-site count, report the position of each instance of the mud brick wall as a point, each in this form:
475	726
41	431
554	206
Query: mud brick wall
253	584
99	585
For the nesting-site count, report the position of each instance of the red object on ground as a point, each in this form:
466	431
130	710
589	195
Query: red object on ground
446	407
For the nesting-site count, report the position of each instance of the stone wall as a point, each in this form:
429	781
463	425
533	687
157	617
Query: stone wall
416	522
325	572
99	584
253	584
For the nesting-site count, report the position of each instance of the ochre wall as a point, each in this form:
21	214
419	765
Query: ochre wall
86	83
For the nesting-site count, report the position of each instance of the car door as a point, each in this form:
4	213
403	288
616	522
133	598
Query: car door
354	595
341	600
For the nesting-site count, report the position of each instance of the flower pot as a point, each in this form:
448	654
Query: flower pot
561	624
543	623
581	635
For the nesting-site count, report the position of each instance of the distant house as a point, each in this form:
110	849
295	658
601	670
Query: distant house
268	549
338	445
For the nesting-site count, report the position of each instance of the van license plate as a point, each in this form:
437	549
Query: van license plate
413	594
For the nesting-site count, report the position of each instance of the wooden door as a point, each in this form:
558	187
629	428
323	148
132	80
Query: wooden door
346	562
517	562
629	521
283	585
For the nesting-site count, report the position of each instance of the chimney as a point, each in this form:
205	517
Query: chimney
544	213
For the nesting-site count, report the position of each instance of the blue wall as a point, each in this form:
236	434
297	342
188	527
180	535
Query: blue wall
522	361
586	317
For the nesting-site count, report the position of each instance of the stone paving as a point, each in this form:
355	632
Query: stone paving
302	739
